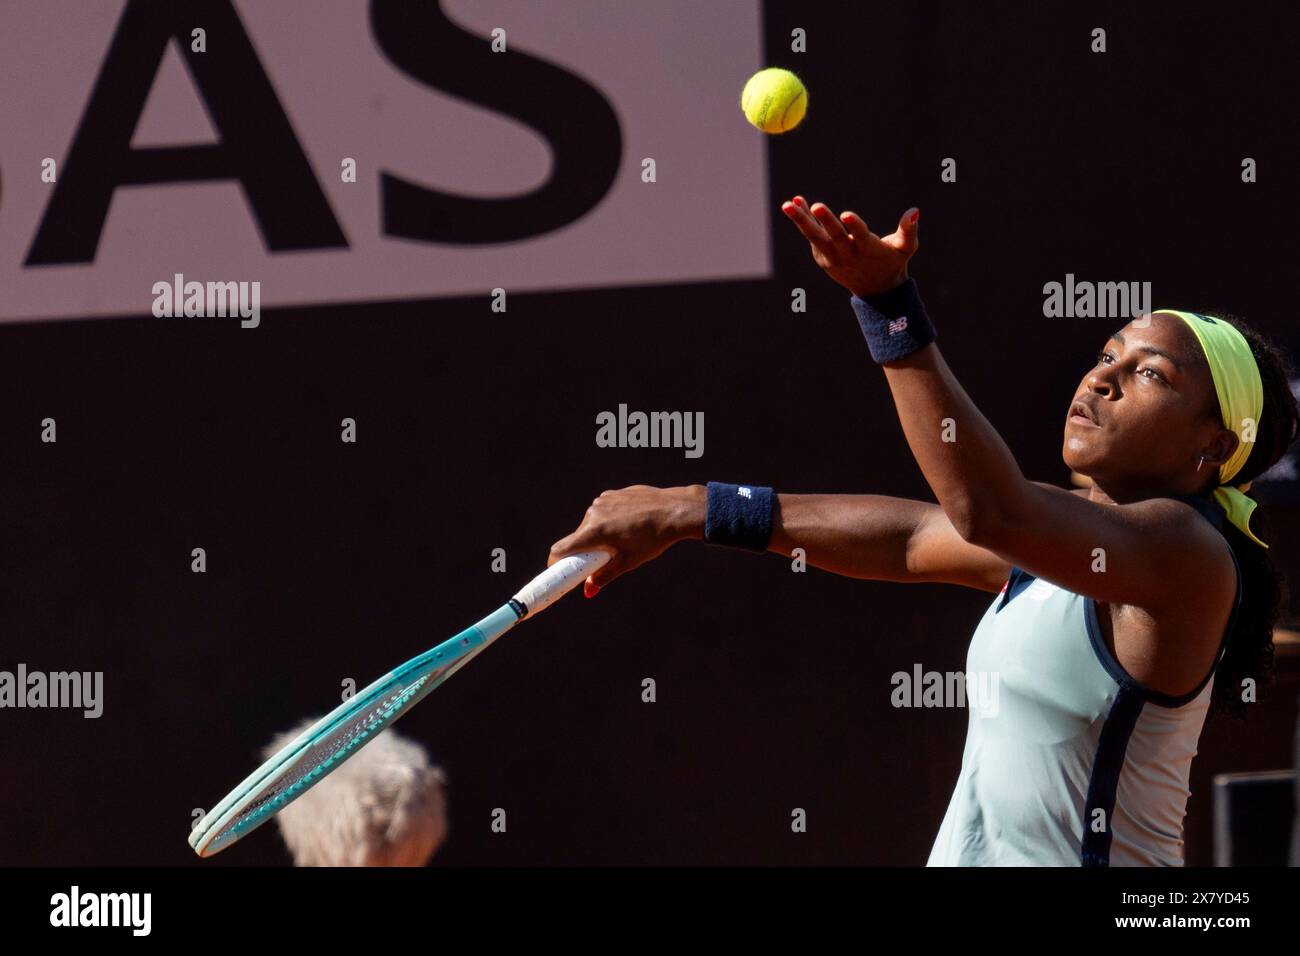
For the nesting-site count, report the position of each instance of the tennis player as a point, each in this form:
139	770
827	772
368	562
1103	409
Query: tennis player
1124	611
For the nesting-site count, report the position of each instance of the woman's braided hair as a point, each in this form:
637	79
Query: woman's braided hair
1249	652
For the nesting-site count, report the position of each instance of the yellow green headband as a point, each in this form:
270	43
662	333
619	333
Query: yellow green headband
1241	401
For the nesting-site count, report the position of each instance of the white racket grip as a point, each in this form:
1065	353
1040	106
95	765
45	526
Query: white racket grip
558	580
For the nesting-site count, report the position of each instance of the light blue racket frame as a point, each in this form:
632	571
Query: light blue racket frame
347	728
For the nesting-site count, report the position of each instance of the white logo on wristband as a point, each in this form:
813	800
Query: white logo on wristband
897	325
745	492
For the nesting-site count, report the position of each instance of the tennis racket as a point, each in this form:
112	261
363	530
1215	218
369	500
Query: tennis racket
322	747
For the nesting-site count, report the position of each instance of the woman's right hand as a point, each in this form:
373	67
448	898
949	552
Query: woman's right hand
635	525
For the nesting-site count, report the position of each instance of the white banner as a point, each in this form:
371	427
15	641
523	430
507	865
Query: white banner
211	139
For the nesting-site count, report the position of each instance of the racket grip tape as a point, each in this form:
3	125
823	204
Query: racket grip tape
558	580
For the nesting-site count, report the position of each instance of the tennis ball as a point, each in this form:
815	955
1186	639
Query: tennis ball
774	100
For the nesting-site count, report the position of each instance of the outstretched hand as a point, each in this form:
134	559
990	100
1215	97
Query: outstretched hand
850	253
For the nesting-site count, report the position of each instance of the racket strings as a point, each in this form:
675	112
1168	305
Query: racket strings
322	754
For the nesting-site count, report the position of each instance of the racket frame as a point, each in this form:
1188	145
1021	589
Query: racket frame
211	834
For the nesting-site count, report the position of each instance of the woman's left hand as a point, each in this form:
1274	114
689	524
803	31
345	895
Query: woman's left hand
850	253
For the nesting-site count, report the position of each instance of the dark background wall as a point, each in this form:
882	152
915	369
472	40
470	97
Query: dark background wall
329	561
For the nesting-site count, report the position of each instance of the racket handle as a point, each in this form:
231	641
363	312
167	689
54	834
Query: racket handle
558	580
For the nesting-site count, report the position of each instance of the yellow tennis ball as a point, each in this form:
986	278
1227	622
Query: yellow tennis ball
774	100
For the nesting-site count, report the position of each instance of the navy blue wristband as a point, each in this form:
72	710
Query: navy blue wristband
739	516
894	323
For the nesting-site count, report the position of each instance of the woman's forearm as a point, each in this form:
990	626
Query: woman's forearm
858	536
968	466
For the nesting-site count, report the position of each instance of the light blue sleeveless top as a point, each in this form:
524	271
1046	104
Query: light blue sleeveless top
1071	762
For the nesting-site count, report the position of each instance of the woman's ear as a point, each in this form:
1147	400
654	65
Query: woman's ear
1221	449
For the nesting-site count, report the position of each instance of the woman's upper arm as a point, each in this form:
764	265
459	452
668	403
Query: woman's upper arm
1150	553
936	552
